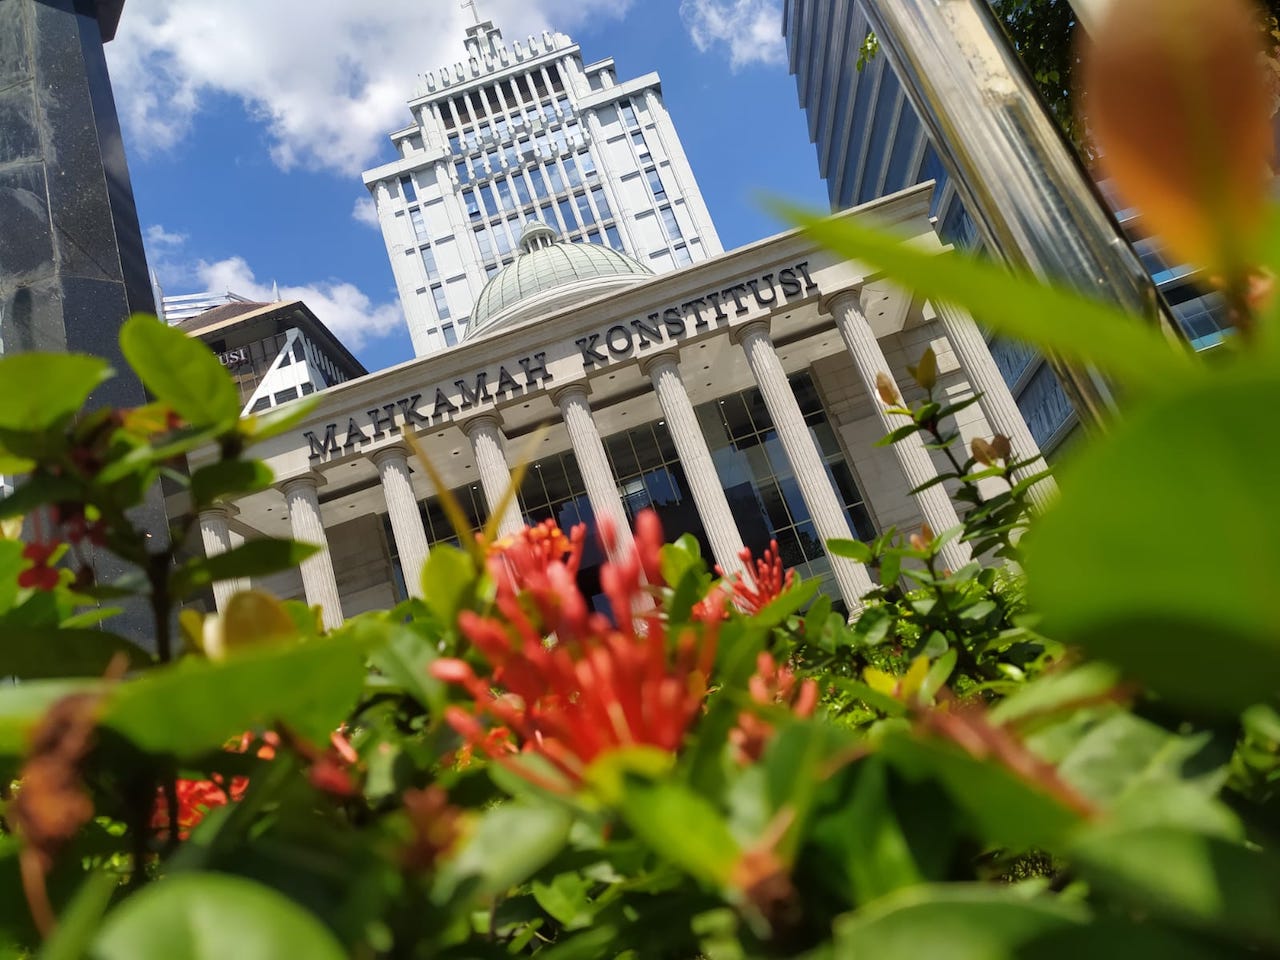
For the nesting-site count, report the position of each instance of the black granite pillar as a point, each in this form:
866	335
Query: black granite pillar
72	267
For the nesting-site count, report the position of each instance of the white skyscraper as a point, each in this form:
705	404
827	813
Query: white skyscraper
528	132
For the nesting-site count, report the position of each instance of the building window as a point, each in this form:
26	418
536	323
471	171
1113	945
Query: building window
669	221
307	388
602	203
539	184
642	148
615	238
406	185
628	114
571	169
450	335
473	204
1044	405
429	264
490	206
299	351
655	184
500	235
284	396
455	143
419	223
584	209
566	214
460	168
588	163
522	189
557	181
681	254
483	242
260	404
442	305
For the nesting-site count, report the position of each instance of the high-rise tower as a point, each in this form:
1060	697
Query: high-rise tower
528	132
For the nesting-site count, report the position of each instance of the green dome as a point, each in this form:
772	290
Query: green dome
549	274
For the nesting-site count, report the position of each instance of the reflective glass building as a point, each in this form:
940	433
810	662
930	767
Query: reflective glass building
870	143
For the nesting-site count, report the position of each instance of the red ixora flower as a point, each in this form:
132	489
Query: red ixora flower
41	575
772	685
197	797
597	686
768	581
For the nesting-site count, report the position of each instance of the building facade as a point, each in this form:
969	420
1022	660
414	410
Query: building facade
735	396
276	352
521	132
870	142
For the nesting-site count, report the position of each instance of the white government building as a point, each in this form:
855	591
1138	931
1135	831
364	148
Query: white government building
735	396
528	131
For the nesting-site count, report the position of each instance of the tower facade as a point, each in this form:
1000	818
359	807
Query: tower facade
526	132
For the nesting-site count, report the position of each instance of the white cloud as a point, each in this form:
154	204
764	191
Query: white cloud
751	30
365	211
158	238
327	78
342	307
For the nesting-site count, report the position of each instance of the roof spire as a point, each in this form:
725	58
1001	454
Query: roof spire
475	12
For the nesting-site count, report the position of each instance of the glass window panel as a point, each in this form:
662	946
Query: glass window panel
442	305
655	184
566	212
501	236
429	264
407	187
669	220
419	223
490	204
615	238
681	253
584	209
588	163
642	148
461	168
505	197
571	170
557	181
472	202
602	202
483	242
522	189
539	184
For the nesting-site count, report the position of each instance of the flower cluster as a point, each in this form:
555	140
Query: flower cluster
768	581
197	797
772	685
595	685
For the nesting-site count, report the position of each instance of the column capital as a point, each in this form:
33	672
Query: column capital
389	452
311	480
662	358
740	333
827	303
472	424
220	511
565	391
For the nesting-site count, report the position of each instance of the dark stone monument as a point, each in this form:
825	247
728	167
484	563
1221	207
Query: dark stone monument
72	267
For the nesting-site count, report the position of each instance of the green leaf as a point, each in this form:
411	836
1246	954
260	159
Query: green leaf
899	434
79	922
1056	691
255	558
1187	877
1006	809
212	916
448	579
258	427
1110	567
195	706
956	921
22	706
683	828
36	652
406	660
11	564
1056	321
852	549
229	477
180	370
36	492
877	855
566	898
39	389
508	845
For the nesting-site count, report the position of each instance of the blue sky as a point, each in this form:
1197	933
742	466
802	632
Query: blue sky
247	125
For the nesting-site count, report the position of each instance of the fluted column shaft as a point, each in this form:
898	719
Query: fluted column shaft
486	438
802	453
588	449
215	531
695	459
917	466
318	580
997	402
402	509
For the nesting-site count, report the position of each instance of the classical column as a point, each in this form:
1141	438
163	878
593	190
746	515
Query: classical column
802	453
588	449
695	458
997	402
318	581
402	507
485	434
215	531
935	505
